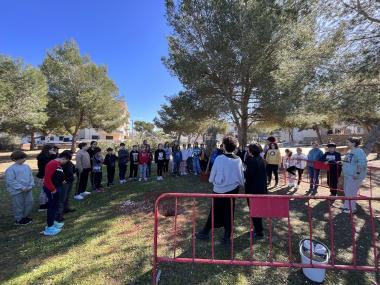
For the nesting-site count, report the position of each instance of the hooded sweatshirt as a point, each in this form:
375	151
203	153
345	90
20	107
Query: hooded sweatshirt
18	177
123	155
355	162
315	154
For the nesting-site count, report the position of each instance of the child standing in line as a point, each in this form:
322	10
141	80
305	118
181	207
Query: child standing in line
123	156
68	170
97	165
203	158
196	161
134	158
177	159
110	162
189	158
53	183
143	163
183	165
19	183
159	159
332	158
168	152
300	160
149	164
47	154
273	159
289	165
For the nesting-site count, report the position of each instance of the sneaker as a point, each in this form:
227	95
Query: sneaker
43	207
158	178
85	193
51	231
23	222
145	179
58	225
140	179
161	178
78	197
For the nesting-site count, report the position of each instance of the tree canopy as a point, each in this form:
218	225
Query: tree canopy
80	92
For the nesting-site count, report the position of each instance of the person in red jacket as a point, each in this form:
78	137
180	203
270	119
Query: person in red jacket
144	158
53	181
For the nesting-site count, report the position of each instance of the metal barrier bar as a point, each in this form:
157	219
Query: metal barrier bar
277	213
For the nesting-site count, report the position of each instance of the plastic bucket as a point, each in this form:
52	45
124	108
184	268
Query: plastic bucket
319	250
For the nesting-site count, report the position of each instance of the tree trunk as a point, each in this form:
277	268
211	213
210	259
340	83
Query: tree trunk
291	135
32	140
196	138
372	139
74	143
318	131
179	138
242	131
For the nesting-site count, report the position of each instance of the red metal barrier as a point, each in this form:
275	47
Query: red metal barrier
270	207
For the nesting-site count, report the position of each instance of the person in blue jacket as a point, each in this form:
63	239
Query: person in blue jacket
315	154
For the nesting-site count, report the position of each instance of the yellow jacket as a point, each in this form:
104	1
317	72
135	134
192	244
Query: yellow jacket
273	156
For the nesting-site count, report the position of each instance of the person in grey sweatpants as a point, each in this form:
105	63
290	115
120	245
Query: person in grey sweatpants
19	183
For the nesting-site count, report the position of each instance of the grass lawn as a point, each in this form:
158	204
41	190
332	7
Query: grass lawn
104	242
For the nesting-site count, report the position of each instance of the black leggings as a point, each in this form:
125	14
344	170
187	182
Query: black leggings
272	168
160	167
133	170
222	212
166	166
300	172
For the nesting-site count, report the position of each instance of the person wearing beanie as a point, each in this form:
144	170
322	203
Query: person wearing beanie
332	158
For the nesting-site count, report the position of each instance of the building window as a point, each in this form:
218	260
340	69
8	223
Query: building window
52	138
94	137
61	138
330	132
125	137
109	137
42	138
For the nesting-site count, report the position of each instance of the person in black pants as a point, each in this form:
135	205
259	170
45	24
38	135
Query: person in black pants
134	158
68	170
123	156
159	159
110	162
332	158
255	182
91	152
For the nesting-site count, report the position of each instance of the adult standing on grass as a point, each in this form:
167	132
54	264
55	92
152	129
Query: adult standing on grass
53	183
19	183
315	154
123	157
273	159
255	182
47	154
83	165
227	176
332	158
91	152
354	172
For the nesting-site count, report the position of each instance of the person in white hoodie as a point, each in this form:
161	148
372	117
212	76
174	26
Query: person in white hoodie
300	161
227	175
354	171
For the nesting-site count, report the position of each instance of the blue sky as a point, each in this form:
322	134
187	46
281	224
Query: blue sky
128	36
